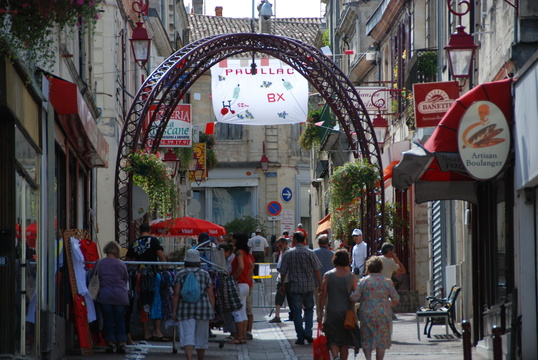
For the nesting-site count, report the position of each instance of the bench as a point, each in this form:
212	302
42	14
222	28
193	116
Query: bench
440	311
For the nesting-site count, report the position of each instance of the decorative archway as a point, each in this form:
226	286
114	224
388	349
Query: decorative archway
167	85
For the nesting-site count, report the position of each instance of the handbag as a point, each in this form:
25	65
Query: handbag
319	346
350	322
93	286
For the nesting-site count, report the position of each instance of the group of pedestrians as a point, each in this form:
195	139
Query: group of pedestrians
351	279
331	282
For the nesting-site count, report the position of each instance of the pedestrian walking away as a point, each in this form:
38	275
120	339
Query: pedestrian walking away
376	295
302	267
193	314
337	284
113	298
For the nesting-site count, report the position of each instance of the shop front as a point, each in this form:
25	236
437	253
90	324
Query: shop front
465	172
47	155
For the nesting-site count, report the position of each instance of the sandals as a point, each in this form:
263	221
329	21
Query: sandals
237	341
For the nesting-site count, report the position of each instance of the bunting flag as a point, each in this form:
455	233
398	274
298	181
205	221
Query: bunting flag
276	94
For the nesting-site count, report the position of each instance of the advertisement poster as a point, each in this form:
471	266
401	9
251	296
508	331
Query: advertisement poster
276	94
178	132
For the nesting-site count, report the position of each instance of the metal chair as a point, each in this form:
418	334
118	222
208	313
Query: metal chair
440	311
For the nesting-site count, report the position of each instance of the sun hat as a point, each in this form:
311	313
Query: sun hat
356	232
192	255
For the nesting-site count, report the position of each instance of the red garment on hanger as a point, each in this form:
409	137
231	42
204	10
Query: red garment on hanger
90	251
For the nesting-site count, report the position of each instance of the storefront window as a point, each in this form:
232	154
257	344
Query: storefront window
501	253
231	203
27	207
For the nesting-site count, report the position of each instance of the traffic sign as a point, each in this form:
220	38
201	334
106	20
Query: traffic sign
286	194
274	208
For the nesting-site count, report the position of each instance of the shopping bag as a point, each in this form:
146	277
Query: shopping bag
93	286
320	347
350	322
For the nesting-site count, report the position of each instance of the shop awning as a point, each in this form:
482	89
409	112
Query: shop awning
436	169
78	122
324	224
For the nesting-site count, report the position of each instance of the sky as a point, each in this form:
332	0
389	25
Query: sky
281	8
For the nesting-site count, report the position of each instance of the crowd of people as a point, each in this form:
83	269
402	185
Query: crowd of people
334	283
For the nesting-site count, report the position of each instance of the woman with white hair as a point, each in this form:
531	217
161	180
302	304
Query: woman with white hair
193	317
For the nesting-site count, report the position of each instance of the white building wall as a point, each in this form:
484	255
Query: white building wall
526	227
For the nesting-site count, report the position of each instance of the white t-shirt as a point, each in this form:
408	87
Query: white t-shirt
389	266
257	243
359	254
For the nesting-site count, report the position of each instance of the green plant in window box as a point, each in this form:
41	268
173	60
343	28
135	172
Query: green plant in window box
348	183
27	26
151	174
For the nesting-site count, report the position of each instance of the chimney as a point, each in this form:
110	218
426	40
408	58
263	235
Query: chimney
218	11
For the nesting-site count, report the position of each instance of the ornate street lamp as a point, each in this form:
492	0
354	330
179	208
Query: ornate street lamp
264	162
140	41
171	157
198	172
380	125
141	44
460	48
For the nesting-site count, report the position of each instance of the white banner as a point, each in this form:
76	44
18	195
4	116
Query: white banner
277	94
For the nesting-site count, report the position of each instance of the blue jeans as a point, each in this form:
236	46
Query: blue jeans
297	302
113	322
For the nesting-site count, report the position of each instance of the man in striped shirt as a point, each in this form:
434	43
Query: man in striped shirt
301	267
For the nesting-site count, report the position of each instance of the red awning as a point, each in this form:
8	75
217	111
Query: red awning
76	120
436	169
324	224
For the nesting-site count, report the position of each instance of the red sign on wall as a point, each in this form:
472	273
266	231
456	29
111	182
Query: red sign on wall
432	100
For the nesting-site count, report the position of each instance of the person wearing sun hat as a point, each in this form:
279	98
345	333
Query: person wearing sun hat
358	254
193	317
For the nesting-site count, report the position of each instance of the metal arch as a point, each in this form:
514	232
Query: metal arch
167	85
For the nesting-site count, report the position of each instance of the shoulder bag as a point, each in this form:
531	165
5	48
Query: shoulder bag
93	286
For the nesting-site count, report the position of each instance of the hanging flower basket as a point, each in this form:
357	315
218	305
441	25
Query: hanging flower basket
348	184
151	174
26	26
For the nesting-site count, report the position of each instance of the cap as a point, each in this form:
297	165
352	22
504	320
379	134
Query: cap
356	232
299	225
202	237
192	255
258	231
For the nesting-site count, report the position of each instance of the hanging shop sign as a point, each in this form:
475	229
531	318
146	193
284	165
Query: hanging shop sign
483	140
432	100
276	94
374	98
178	132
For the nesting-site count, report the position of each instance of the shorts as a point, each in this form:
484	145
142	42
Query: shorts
194	332
249	302
279	297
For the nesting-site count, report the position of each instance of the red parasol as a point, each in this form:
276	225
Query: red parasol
186	226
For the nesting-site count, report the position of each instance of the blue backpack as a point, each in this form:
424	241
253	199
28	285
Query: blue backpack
190	291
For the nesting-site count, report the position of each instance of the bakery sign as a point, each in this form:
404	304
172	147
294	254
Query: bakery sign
432	100
483	140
